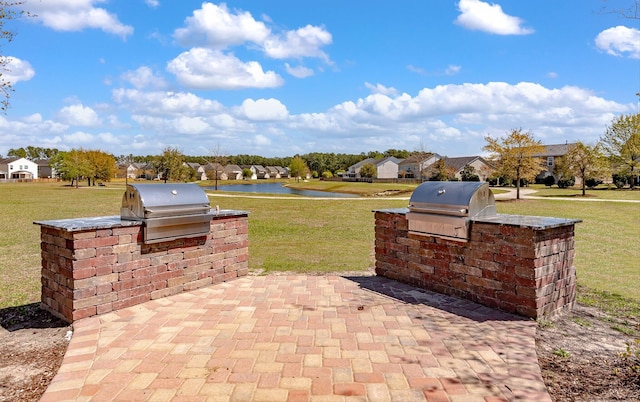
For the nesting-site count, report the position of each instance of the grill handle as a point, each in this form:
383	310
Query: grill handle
177	211
441	211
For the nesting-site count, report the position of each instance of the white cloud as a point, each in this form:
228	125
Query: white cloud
190	125
108	138
264	109
448	119
458	116
79	115
144	77
202	68
452	70
216	26
552	74
152	3
158	103
261	140
620	41
480	16
79	137
303	42
415	69
381	89
17	70
31	124
76	15
299	71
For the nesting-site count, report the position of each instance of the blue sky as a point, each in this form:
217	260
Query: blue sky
284	77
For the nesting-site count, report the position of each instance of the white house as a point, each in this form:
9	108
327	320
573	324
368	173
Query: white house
18	168
254	174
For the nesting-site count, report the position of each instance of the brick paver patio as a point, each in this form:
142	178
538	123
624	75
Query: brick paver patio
302	338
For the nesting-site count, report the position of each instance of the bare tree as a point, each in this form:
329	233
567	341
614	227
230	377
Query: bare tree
630	11
217	160
9	10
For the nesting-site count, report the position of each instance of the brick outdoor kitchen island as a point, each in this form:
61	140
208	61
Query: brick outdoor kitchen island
96	265
520	264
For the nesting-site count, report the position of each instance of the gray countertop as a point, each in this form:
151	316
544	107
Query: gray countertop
535	222
108	222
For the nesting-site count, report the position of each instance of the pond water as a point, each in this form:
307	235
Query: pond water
276	188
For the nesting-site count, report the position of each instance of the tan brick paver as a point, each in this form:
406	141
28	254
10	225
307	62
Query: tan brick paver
302	338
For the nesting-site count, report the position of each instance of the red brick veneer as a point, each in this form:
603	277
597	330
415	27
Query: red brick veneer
524	270
90	272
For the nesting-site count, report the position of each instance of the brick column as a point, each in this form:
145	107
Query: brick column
523	265
94	268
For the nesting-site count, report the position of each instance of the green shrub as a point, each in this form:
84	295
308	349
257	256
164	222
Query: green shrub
327	174
592	183
566	183
549	181
620	180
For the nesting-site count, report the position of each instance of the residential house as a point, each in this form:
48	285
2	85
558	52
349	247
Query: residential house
252	168
213	171
386	168
549	157
415	165
233	172
45	170
480	166
18	168
261	172
283	172
198	168
273	171
353	171
139	170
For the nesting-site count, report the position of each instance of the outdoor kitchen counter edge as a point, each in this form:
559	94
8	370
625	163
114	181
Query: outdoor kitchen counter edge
108	222
534	222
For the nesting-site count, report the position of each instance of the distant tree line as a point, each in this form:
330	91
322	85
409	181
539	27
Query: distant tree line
33	153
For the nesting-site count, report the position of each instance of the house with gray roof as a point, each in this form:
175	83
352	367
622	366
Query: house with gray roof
549	156
480	166
233	172
17	169
414	166
386	168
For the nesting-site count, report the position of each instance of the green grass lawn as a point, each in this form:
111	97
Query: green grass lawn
602	192
308	235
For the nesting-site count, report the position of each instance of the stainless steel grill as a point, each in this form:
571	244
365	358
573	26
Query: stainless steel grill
169	211
444	209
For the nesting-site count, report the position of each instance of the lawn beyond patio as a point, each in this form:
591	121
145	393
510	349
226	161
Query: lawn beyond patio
305	235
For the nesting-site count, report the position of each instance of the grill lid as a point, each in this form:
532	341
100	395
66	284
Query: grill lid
147	201
469	199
